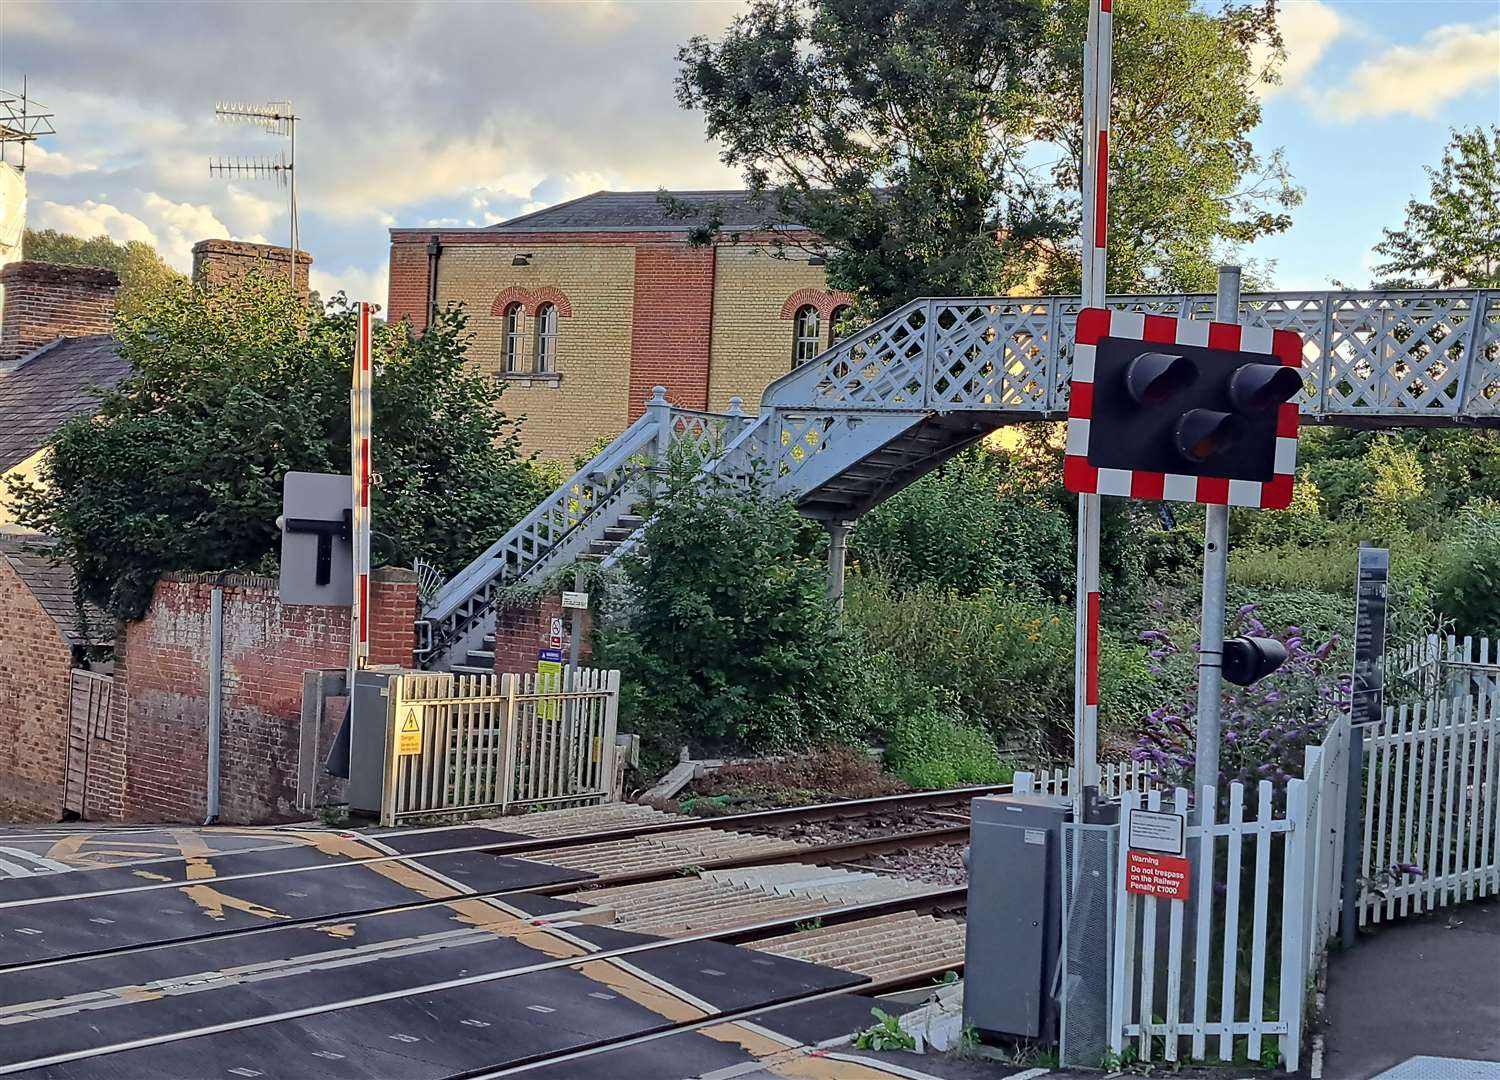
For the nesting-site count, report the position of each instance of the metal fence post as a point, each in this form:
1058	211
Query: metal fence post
508	742
392	762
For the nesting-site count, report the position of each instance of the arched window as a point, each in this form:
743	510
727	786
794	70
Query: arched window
807	343
546	339
835	317
511	346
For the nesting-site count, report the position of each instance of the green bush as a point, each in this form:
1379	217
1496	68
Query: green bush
928	749
727	640
1466	578
1006	660
971	525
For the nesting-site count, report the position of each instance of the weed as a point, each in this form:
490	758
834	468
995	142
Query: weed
334	815
810	924
885	1034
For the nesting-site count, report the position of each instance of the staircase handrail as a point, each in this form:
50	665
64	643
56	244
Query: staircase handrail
640	437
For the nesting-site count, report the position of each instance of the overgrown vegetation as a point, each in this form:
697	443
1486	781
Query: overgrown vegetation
935	147
143	273
182	468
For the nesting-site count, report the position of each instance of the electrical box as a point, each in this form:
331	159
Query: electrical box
368	717
1014	933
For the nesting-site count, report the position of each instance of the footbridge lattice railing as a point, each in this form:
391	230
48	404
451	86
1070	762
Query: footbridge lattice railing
1371	359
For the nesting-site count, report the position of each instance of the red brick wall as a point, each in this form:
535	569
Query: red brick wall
672	325
407	288
46	301
34	664
164	673
521	630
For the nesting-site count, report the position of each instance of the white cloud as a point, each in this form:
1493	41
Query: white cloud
1420	79
180	225
41	161
1307	28
357	284
89	219
170	227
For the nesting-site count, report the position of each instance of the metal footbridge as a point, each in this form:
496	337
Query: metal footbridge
896	399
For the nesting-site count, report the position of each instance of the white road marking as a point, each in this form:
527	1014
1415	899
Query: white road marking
41	860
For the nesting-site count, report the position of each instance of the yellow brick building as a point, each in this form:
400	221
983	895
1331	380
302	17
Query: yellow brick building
582	308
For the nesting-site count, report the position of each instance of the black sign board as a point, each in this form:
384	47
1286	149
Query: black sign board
1369	636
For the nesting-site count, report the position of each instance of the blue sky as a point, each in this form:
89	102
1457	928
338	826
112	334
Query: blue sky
467	113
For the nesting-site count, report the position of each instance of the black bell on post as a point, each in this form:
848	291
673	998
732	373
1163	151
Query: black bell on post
1250	659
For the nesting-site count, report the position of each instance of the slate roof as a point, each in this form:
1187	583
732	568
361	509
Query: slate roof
51	582
51	385
638	210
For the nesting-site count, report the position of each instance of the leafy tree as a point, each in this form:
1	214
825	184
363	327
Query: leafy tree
917	138
182	468
1186	183
1453	240
143	273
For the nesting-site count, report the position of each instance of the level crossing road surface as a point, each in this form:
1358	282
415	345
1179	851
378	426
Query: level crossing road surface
193	953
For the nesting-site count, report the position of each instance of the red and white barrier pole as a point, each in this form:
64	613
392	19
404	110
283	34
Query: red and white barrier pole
1098	49
359	448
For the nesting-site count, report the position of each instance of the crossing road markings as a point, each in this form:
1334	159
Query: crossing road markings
409	738
38	864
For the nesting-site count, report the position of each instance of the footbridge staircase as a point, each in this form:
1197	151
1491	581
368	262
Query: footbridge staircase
896	399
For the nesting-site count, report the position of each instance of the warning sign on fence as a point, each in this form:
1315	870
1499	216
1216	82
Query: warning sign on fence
1149	873
409	734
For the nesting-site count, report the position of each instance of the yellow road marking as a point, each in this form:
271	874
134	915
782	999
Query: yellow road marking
213	901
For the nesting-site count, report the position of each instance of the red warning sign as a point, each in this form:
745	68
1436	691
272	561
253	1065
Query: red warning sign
1150	873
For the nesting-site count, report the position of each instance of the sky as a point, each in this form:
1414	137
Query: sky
467	113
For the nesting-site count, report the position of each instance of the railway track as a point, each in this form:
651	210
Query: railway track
834	925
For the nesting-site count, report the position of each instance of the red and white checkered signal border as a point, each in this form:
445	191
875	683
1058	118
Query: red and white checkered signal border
1079	476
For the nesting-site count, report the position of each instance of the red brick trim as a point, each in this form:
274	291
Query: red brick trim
532	299
826	302
548	294
513	295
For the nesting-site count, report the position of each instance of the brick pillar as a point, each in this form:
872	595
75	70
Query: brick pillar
522	629
672	324
393	615
47	301
220	262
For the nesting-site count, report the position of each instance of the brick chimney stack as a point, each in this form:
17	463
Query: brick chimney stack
46	301
219	262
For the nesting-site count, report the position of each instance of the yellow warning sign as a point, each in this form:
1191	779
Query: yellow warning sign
409	734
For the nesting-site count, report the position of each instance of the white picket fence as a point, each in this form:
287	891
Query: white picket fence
490	743
1432	800
1255	944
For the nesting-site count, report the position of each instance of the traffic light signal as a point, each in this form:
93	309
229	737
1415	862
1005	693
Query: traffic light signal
1190	410
1183	409
1250	659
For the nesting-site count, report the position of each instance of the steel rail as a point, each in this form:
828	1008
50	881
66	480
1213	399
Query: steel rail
873	845
726	1016
769	928
816	812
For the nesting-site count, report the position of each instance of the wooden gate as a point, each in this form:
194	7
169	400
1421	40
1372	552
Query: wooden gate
89	697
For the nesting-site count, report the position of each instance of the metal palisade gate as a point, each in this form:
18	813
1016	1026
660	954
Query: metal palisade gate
1115	778
1434	667
1225	971
485	743
1432	807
